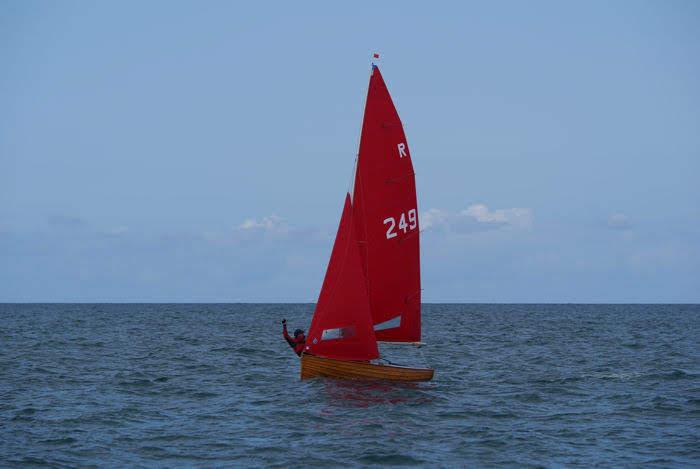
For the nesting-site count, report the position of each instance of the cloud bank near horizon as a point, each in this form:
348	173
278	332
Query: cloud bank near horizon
477	217
475	254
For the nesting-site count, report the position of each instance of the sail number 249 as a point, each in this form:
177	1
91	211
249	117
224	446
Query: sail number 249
403	225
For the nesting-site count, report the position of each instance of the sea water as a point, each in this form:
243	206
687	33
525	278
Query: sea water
212	385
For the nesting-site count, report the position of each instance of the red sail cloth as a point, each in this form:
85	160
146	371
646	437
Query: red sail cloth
342	311
386	217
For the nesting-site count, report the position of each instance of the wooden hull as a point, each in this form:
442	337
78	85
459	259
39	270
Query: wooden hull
313	366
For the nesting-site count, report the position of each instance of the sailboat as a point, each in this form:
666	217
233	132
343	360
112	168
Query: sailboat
371	291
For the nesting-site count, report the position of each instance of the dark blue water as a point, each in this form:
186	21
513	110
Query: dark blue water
215	385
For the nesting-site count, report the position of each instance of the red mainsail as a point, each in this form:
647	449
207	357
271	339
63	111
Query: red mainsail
386	218
341	327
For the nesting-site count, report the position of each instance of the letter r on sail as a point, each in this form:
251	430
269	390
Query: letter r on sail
402	149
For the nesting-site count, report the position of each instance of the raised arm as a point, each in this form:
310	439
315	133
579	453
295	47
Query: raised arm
285	334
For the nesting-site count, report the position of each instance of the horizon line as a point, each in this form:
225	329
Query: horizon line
313	303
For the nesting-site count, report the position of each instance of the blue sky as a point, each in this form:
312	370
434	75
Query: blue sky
199	151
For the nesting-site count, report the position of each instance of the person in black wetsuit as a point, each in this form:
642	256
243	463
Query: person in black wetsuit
297	342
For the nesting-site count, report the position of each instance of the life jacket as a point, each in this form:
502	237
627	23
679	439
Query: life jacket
299	340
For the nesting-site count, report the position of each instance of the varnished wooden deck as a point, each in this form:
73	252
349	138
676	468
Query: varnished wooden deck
313	366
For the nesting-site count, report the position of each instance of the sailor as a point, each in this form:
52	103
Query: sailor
297	343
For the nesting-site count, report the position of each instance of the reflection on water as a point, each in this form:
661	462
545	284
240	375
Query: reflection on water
367	412
366	394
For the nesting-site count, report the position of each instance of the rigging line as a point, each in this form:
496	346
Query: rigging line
351	182
384	359
359	139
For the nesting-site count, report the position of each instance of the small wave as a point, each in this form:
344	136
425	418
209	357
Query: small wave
152	450
391	459
24	415
168	438
87	343
622	375
30	461
467	414
60	441
136	383
676	374
529	397
225	349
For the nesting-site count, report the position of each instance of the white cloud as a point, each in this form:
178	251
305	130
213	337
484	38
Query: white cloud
270	229
434	217
517	217
272	224
477	217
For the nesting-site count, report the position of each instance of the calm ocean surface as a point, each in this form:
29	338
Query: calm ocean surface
216	385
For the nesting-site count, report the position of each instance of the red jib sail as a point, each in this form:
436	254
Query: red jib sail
341	327
386	218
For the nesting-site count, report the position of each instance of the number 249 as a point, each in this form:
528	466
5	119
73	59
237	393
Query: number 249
403	226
